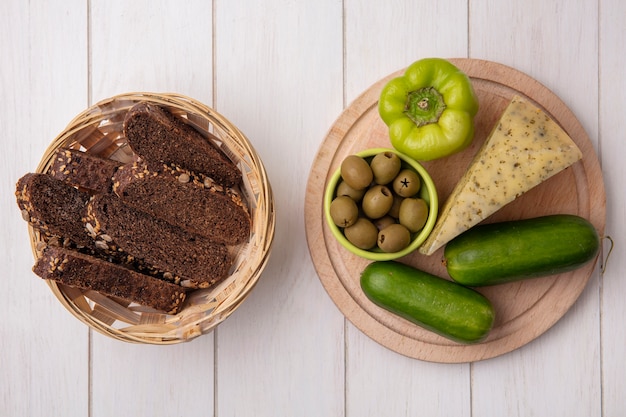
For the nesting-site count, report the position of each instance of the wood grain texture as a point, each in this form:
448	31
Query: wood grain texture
529	36
380	38
44	366
152	46
612	149
149	380
155	47
278	67
382	382
283	70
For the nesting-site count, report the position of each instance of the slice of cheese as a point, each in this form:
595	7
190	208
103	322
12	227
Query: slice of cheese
525	148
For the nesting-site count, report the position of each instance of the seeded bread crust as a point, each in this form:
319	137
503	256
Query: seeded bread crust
53	207
159	137
185	200
83	170
87	272
56	210
198	262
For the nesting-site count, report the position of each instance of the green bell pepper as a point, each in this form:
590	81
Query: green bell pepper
429	110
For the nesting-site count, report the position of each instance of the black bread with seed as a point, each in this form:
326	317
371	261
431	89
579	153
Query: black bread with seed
56	209
87	272
53	207
186	200
159	137
198	262
81	169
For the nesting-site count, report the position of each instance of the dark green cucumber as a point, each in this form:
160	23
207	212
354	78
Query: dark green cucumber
439	305
509	251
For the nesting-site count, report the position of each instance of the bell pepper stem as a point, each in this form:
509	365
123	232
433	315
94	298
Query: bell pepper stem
424	106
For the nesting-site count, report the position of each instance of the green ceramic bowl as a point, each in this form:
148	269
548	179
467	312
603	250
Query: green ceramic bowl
428	192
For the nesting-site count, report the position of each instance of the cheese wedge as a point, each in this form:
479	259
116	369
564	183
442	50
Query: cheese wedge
525	148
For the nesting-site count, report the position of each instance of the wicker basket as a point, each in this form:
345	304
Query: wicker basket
98	130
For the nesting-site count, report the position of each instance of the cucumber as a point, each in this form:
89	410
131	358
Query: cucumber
451	310
509	251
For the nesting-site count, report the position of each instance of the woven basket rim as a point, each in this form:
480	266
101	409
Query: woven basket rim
206	308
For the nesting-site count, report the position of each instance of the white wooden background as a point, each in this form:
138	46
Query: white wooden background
283	70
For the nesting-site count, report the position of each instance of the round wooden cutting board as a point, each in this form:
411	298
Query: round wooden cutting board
524	309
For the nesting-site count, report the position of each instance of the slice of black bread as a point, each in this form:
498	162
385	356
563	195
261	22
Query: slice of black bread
159	137
53	207
83	170
56	209
87	272
186	200
199	262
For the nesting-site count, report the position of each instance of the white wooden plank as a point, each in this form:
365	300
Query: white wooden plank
556	42
612	151
43	349
282	352
556	374
155	46
381	382
559	373
162	46
278	77
383	37
146	380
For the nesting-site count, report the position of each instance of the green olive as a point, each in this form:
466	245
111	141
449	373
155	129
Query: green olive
413	213
344	211
377	201
356	172
407	183
344	189
384	222
394	238
362	234
385	166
